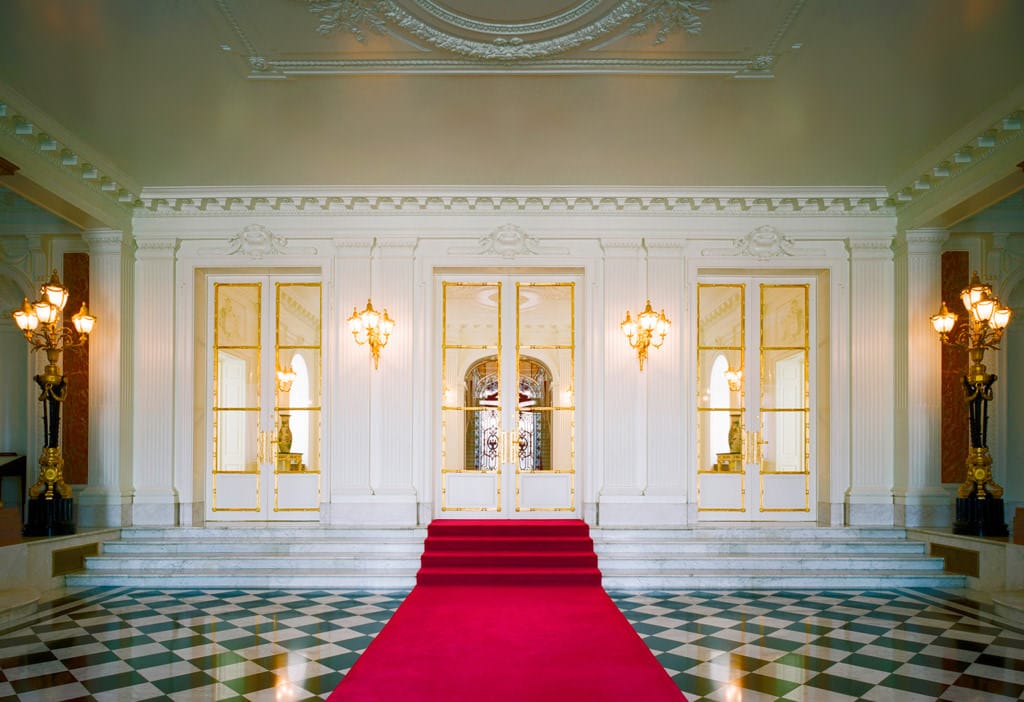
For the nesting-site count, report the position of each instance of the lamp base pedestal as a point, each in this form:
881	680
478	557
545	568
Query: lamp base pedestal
50	517
975	517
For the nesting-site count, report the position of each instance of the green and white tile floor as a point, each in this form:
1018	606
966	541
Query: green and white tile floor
131	644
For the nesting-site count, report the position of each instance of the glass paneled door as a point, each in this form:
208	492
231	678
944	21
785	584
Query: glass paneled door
507	410
264	378
754	404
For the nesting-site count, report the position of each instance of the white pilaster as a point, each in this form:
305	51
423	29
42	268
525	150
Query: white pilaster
349	386
106	500
391	386
919	497
872	369
155	500
666	479
624	413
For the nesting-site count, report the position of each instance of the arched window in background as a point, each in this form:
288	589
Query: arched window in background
300	397
718	398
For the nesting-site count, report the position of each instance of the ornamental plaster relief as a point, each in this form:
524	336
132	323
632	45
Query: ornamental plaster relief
585	38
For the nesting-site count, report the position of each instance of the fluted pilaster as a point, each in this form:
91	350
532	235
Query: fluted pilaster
105	500
154	377
624	416
665	401
349	385
920	499
392	385
872	369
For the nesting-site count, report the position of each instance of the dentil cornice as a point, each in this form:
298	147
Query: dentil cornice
32	137
182	202
997	138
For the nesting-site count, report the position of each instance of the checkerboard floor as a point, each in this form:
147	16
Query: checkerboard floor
132	644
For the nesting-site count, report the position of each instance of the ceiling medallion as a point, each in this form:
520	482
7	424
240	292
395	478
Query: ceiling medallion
583	24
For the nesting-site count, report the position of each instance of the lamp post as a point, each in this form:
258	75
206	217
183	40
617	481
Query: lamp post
50	509
979	504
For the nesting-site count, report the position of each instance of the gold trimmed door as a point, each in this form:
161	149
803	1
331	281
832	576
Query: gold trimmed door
755	373
263	398
507	413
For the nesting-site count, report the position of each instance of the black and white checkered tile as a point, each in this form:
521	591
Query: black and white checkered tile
131	644
907	645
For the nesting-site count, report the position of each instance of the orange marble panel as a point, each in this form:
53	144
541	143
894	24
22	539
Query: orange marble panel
955	421
75	412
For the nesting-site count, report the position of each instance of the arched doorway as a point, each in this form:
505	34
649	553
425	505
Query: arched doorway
534	425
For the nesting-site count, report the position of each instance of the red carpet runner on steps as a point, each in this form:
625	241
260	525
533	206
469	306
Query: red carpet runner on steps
507	611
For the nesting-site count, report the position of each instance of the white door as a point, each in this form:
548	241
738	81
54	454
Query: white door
263	452
755	428
507	412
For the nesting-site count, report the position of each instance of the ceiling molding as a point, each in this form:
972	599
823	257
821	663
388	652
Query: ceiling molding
164	202
999	138
444	41
54	164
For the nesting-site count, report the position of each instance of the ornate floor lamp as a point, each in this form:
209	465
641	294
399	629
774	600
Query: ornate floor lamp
51	507
979	504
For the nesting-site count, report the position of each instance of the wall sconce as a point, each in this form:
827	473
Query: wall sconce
979	505
373	328
50	504
649	329
734	378
285	378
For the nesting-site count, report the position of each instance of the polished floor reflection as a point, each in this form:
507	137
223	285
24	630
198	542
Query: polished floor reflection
131	644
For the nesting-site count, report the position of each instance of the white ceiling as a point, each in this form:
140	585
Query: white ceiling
756	93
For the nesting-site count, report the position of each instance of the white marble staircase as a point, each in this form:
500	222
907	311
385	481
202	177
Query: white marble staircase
780	556
257	557
705	557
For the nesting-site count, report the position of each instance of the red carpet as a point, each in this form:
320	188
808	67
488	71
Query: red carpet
507	611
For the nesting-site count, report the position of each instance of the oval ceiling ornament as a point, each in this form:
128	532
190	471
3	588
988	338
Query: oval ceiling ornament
498	40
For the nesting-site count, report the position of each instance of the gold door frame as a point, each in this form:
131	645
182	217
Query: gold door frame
752	452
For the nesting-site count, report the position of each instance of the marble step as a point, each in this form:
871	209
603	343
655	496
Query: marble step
760	546
778	580
249	579
283	531
220	562
659	563
745	533
320	545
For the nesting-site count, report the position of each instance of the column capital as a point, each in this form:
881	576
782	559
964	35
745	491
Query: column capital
622	248
352	248
155	248
395	248
102	241
872	248
926	239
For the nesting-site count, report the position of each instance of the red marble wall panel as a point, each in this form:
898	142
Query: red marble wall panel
75	417
955	429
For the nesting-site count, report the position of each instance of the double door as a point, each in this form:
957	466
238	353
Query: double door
263	366
755	379
507	412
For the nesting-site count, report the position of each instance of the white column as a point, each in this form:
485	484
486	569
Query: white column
391	386
919	498
872	371
348	387
155	500
666	479
625	421
106	500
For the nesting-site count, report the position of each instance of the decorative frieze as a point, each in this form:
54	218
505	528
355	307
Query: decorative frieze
859	201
